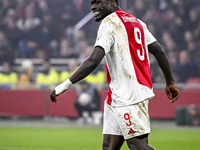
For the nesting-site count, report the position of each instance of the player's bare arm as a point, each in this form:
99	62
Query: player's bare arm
83	71
171	90
88	65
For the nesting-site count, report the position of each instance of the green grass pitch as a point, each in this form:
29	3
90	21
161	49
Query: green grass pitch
90	139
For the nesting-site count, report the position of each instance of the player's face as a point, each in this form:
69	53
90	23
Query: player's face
101	9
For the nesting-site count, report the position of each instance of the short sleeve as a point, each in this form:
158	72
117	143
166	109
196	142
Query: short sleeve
149	37
105	37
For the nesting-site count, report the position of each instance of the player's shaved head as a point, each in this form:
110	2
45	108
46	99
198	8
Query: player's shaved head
115	1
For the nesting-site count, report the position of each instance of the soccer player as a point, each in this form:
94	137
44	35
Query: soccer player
124	41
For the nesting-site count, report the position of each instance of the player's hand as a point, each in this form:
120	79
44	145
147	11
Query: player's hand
53	96
60	89
172	93
57	91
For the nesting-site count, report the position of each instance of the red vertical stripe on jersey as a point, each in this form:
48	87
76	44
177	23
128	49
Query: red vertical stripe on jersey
142	68
108	99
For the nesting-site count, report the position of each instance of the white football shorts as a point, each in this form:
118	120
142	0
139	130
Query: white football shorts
128	121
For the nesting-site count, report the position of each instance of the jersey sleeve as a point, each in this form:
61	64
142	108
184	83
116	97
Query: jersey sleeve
105	38
149	37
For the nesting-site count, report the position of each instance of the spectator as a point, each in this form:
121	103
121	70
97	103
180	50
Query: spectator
177	31
185	68
31	40
173	60
8	78
48	28
181	8
10	14
88	101
5	5
29	14
50	35
20	8
139	8
193	51
42	7
47	77
193	113
6	51
66	51
90	30
79	36
13	34
168	43
33	36
162	4
68	17
82	8
83	47
193	20
27	75
169	18
153	28
188	37
64	15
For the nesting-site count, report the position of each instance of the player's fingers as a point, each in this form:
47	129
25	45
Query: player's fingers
173	100
169	96
53	99
175	97
53	96
172	93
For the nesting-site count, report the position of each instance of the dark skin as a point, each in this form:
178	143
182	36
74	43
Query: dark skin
101	9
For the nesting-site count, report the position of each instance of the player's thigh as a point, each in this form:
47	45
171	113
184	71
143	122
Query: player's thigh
112	142
139	143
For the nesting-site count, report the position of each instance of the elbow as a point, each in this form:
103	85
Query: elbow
161	53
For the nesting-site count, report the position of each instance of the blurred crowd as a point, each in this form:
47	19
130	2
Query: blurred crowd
176	25
46	77
44	29
40	28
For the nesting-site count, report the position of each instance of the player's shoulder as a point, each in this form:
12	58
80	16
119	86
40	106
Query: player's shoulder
111	20
141	22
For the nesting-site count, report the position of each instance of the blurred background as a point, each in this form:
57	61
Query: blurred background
42	42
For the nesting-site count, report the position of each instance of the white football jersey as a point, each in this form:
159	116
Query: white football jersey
125	39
